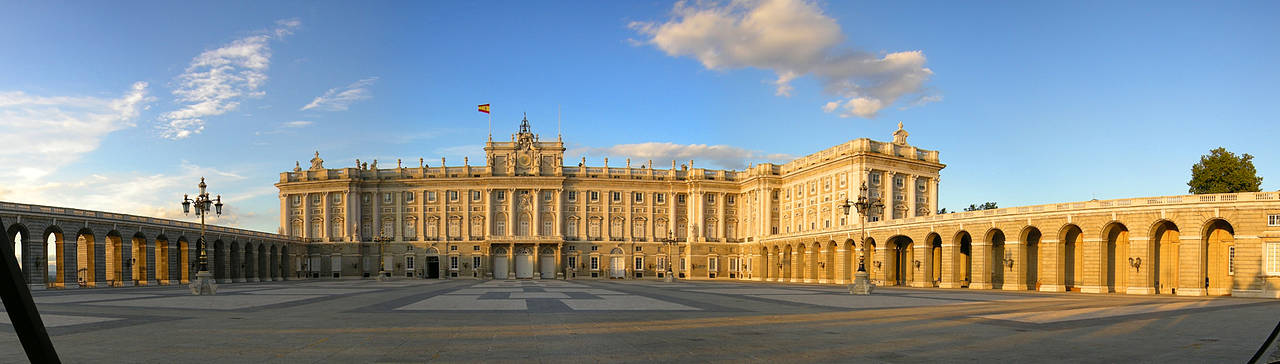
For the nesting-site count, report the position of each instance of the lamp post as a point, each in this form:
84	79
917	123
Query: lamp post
382	239
864	204
204	283
671	244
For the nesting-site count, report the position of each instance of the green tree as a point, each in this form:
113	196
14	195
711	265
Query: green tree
983	206
1221	171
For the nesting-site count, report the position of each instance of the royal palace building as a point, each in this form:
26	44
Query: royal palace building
524	213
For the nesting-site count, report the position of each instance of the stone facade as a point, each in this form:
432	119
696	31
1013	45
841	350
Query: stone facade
524	213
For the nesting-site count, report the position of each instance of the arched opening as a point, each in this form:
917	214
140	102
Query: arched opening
273	270
998	259
1164	257
1072	258
799	264
237	262
16	236
784	263
829	256
138	250
899	261
184	260
261	269
86	272
499	263
287	263
1115	261
849	259
964	260
220	260
934	273
54	258
764	262
162	259
1218	243
1031	243
872	262
114	260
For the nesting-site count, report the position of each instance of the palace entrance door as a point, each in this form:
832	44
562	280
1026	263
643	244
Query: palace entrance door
524	263
433	267
547	263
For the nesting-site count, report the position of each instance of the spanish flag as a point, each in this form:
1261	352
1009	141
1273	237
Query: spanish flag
484	108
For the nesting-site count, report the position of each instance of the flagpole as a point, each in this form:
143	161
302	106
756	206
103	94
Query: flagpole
490	114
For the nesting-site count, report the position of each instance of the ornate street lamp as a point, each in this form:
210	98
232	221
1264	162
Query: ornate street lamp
204	283
864	205
382	239
671	244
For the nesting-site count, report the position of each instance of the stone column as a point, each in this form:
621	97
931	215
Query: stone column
328	219
950	255
511	215
1093	266
1052	251
981	271
537	259
921	252
559	264
1015	278
558	229
511	260
823	253
306	217
933	196
843	262
350	209
284	213
535	216
909	193
721	216
1140	280
1191	277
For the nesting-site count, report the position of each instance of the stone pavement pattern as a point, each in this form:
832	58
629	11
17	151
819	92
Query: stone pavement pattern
635	321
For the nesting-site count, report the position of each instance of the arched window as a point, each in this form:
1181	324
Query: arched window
523	229
296	228
571	230
336	228
548	225
500	224
410	227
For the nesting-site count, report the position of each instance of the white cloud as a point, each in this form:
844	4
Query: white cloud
218	79
297	124
721	156
792	38
42	134
339	99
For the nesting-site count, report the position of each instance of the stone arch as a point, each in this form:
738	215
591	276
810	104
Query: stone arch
784	263
963	259
899	260
1071	257
1029	258
273	266
237	262
800	263
830	257
932	273
24	251
1217	244
262	269
849	258
996	259
86	258
1163	258
764	262
285	262
140	267
219	260
56	263
162	259
184	260
249	261
1114	258
869	256
523	224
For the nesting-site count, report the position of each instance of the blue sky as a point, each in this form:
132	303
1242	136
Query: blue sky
1028	102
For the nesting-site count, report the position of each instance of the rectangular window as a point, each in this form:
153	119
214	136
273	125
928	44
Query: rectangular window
711	198
573	247
453	248
730	199
639	263
660	198
617	196
680	198
475	195
453	263
409	248
337	198
897	182
733	264
639	197
875	178
1273	220
713	264
453	195
475	248
595	263
408	197
502	195
431	196
546	196
1272	253
573	262
1231	260
315	200
408	263
595	196
475	262
573	196
595	247
297	200
386	197
639	249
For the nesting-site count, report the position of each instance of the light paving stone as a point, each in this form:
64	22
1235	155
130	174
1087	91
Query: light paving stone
538	295
851	301
751	291
1102	312
594	291
74	298
311	291
54	320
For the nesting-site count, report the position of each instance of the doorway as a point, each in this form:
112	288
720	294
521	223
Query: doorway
433	267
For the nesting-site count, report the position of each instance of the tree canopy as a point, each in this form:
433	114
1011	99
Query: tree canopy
1222	171
983	206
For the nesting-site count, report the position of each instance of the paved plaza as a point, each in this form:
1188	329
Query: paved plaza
635	321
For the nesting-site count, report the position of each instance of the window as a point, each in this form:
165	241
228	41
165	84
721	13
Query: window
711	198
680	198
713	264
364	198
337	198
453	195
617	196
595	196
453	263
639	263
733	264
315	200
1272	254
1273	220
897	181
573	196
639	249
475	248
711	249
573	248
408	263
774	230
546	196
873	218
431	196
730	199
1231	260
297	200
595	248
660	198
409	248
573	262
475	262
475	195
639	197
408	197
386	197
453	248
875	178
502	195
595	263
